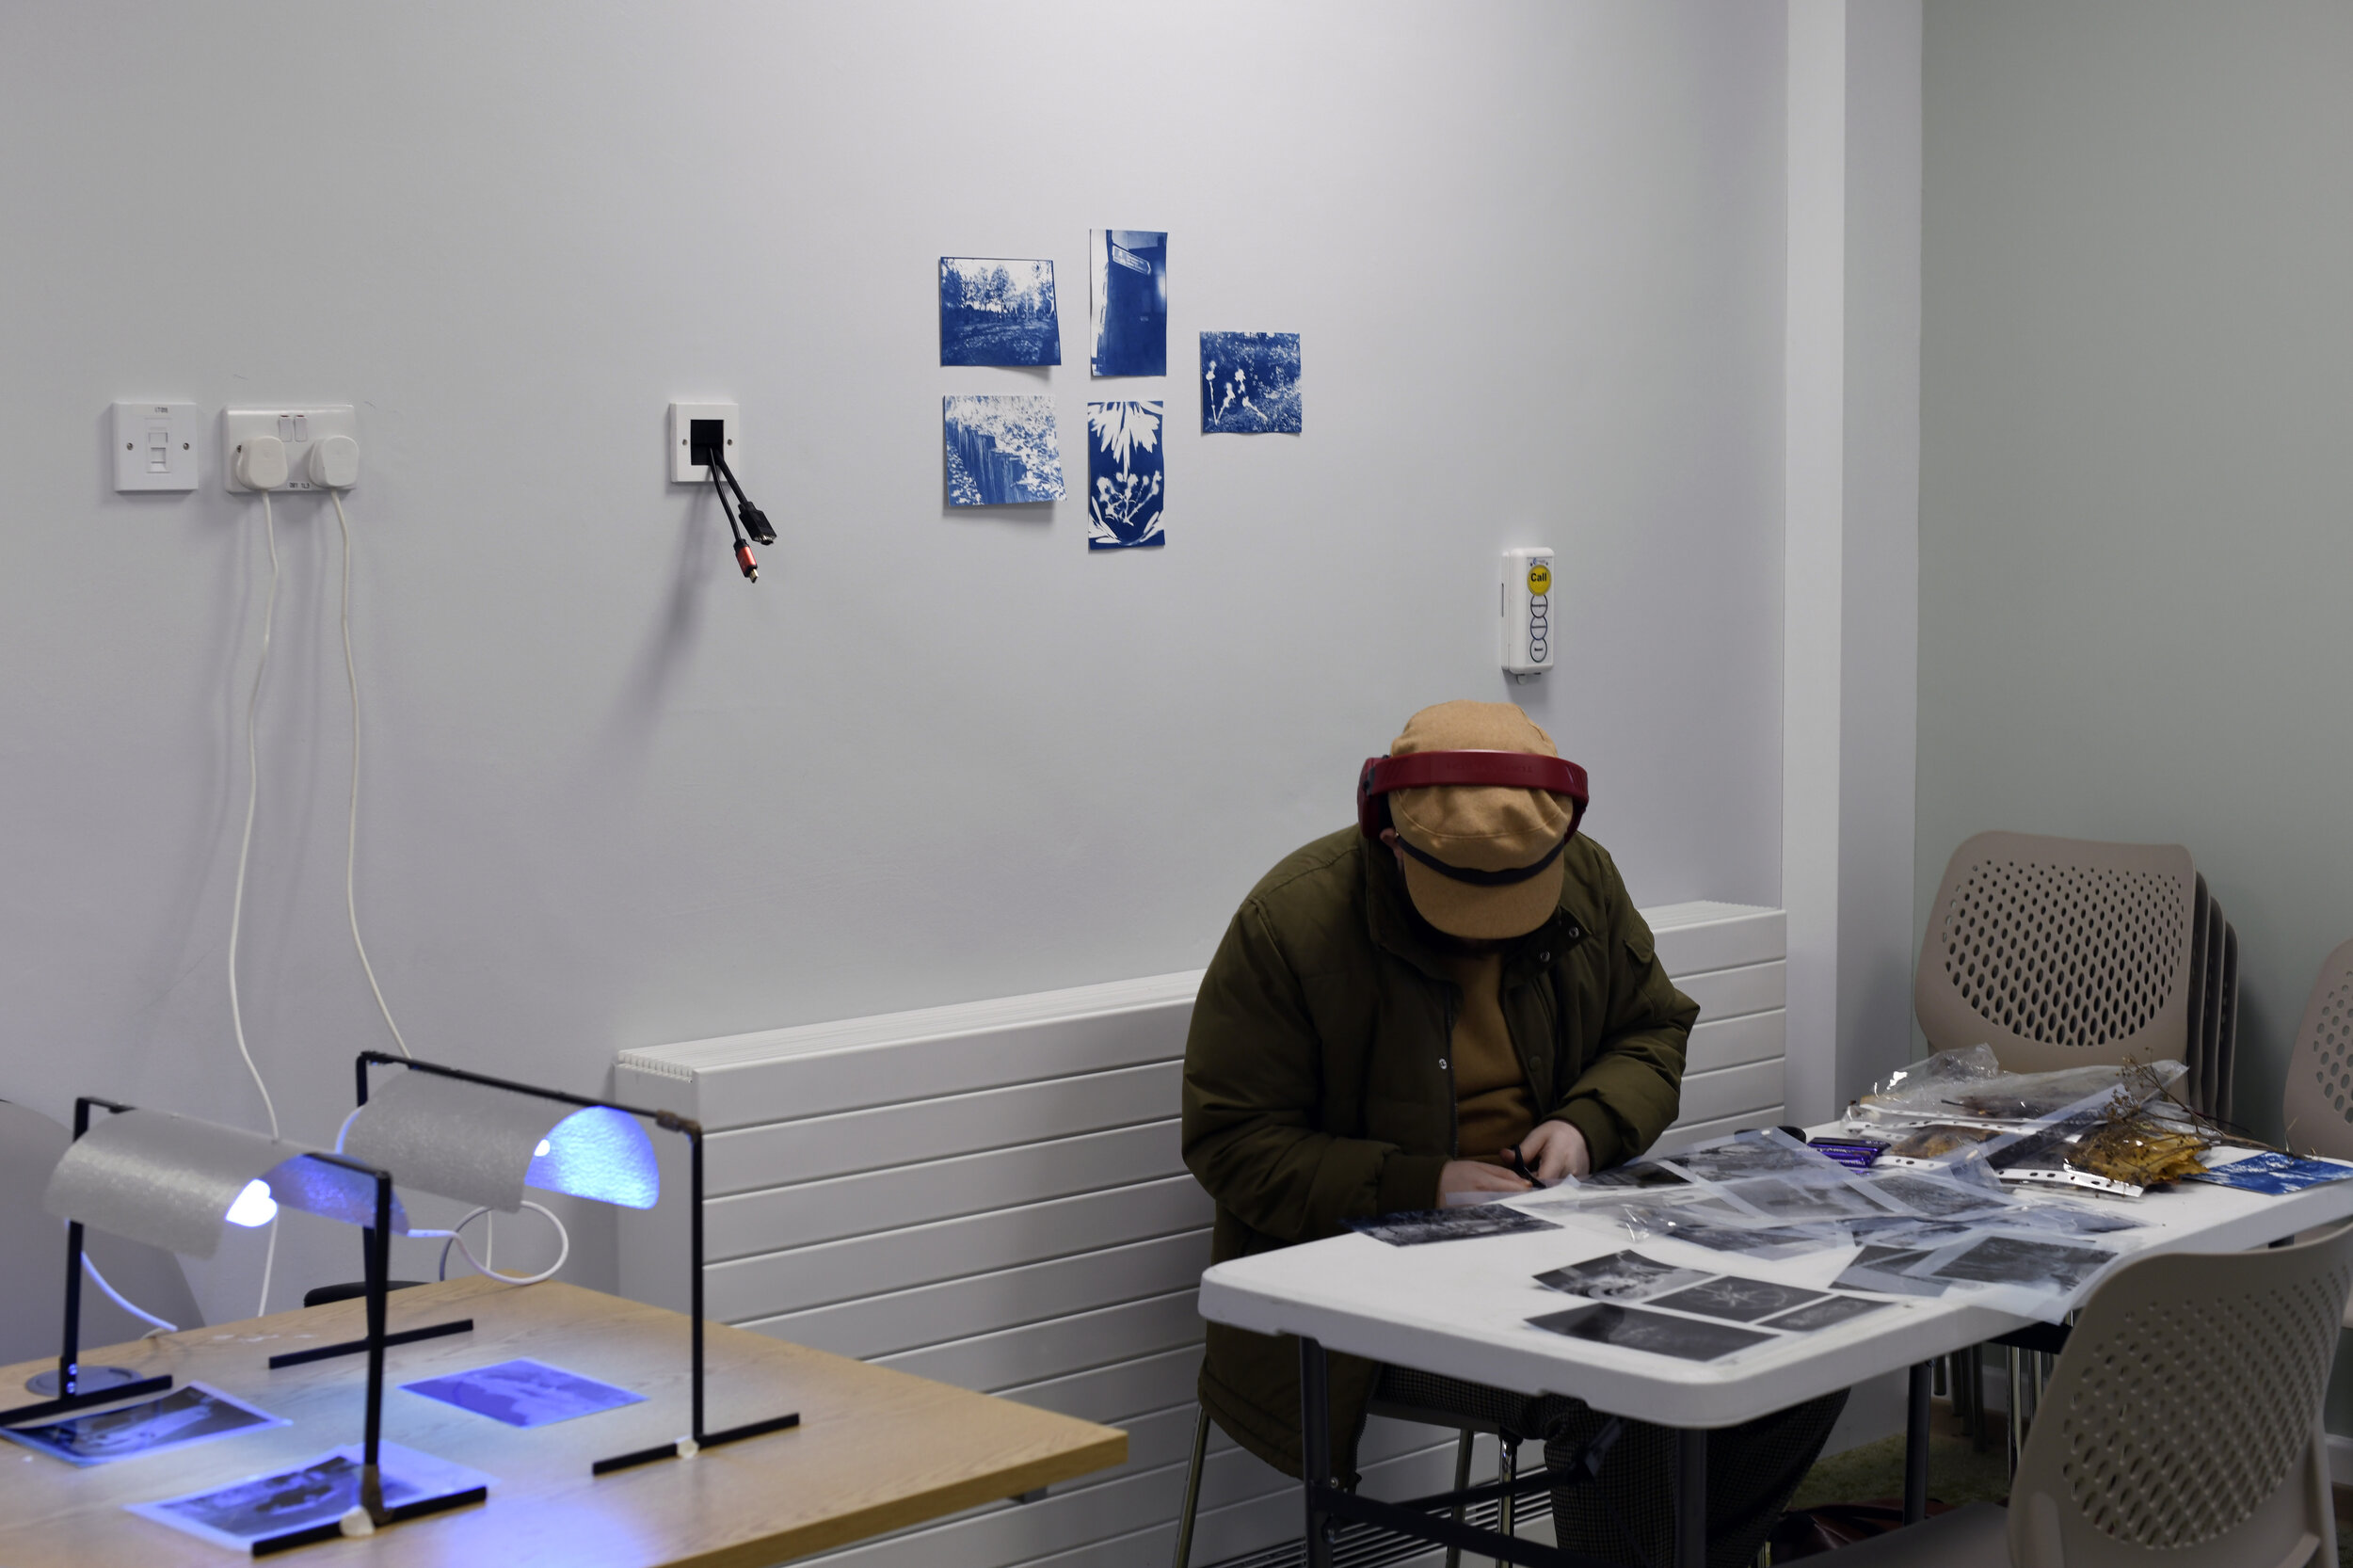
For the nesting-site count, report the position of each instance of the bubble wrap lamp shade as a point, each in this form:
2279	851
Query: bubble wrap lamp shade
482	1139
2059	953
174	1181
484	1146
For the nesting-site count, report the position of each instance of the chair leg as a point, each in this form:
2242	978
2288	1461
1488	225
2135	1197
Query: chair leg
1193	1487
1507	1471
1462	1445
2017	1437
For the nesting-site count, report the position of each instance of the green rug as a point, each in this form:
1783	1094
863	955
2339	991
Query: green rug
1957	1474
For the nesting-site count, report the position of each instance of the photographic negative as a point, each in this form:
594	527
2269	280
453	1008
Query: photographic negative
1827	1313
1416	1227
1130	290
1937	1199
1001	450
1737	1300
1622	1276
1250	383
1721	1232
1882	1270
525	1393
993	311
318	1492
2058	1216
1639	1174
1126	466
190	1414
1796	1199
1631	1328
2054	1267
1751	1154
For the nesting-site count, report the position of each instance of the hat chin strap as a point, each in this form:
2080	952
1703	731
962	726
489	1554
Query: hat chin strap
1508	876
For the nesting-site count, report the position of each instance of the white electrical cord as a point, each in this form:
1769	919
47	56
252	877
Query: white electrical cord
457	1237
245	850
90	1268
351	840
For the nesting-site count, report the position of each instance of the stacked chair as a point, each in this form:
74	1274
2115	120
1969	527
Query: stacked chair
2067	952
2071	953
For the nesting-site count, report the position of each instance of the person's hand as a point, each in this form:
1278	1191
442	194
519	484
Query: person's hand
1475	1176
1554	1150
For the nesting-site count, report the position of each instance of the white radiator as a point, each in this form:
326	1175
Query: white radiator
991	1194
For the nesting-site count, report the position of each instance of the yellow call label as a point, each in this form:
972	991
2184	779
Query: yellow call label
1539	578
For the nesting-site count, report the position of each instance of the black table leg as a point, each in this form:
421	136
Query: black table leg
1916	1447
1315	1446
1690	1498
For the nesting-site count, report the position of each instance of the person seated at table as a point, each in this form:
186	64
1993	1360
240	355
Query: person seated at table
1390	1020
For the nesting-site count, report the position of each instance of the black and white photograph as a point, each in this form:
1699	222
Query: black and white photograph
1416	1226
1738	1299
1622	1276
1882	1270
297	1496
1130	285
1633	1329
1827	1313
1725	1229
1002	450
192	1412
525	1393
2018	1260
1749	1154
1250	384
996	311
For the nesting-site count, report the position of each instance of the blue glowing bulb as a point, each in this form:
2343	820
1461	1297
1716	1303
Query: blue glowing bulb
254	1205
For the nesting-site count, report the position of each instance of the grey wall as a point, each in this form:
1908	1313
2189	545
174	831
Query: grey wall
2137	382
613	796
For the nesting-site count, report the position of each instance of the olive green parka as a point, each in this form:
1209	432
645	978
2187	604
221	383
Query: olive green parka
1318	1088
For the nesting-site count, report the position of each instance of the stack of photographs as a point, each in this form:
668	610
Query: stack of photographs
1688	1314
2035	1276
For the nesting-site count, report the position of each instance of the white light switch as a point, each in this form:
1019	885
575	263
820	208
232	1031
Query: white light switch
154	446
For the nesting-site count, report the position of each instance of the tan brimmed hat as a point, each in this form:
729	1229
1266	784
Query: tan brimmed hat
1483	828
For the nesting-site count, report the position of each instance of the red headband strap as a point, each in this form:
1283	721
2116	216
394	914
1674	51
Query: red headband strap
1522	770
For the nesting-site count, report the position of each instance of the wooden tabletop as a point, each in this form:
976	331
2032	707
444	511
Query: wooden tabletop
876	1450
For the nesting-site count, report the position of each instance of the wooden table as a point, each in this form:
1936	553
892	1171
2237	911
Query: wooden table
876	1450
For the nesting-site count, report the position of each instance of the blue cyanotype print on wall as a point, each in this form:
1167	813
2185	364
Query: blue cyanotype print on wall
1131	298
996	312
1250	383
1125	470
1001	450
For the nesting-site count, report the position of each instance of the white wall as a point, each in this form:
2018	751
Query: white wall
615	796
1851	576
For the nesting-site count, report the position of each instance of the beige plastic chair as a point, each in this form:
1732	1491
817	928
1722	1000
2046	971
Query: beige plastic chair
2061	952
2317	1104
2182	1429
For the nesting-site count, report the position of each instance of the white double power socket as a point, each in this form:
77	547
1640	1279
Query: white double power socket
298	426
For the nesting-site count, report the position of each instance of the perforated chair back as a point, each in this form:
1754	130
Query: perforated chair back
2182	1426
2317	1105
2059	953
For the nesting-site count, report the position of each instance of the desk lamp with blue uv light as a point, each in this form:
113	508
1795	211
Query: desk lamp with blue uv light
174	1182
483	1139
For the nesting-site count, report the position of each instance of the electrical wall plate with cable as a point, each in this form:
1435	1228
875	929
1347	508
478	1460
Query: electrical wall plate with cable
297	425
683	469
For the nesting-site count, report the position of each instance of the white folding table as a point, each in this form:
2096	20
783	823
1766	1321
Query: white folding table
1461	1308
